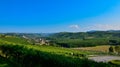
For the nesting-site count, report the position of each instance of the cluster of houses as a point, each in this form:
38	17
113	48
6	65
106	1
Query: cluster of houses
41	41
37	41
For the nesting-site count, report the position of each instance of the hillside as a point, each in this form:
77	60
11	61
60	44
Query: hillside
70	39
86	39
87	35
14	39
21	55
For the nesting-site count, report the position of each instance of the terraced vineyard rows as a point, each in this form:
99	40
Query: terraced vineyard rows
45	56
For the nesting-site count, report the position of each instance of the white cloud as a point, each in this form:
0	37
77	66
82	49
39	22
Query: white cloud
74	26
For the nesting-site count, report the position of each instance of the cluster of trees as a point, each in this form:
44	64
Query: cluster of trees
80	43
83	43
86	35
85	39
22	56
79	39
115	49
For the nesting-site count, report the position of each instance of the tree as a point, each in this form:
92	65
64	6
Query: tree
117	49
2	35
111	49
113	42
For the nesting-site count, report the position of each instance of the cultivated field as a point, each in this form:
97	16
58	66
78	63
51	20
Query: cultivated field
104	48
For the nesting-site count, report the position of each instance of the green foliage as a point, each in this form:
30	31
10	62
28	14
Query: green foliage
111	49
13	39
85	39
115	62
4	62
113	42
34	56
117	49
86	35
47	56
80	43
68	39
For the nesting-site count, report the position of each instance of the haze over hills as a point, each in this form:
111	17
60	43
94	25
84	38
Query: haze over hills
96	33
60	33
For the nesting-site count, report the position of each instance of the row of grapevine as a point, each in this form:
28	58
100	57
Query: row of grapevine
23	56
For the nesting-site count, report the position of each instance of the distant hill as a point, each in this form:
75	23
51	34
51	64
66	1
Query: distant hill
114	31
85	39
71	39
88	34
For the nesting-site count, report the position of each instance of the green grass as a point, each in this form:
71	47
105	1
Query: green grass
115	62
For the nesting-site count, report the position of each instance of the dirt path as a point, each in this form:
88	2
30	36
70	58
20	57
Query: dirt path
104	58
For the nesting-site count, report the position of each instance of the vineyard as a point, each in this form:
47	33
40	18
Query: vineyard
17	52
21	55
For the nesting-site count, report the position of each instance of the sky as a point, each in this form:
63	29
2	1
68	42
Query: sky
47	16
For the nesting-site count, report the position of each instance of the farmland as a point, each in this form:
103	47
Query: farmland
19	52
59	33
104	48
54	56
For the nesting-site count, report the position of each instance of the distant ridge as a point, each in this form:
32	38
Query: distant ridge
104	31
113	30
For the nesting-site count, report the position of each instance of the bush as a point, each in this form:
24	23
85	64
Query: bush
111	49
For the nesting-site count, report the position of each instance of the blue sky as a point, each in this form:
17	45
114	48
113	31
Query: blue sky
59	15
